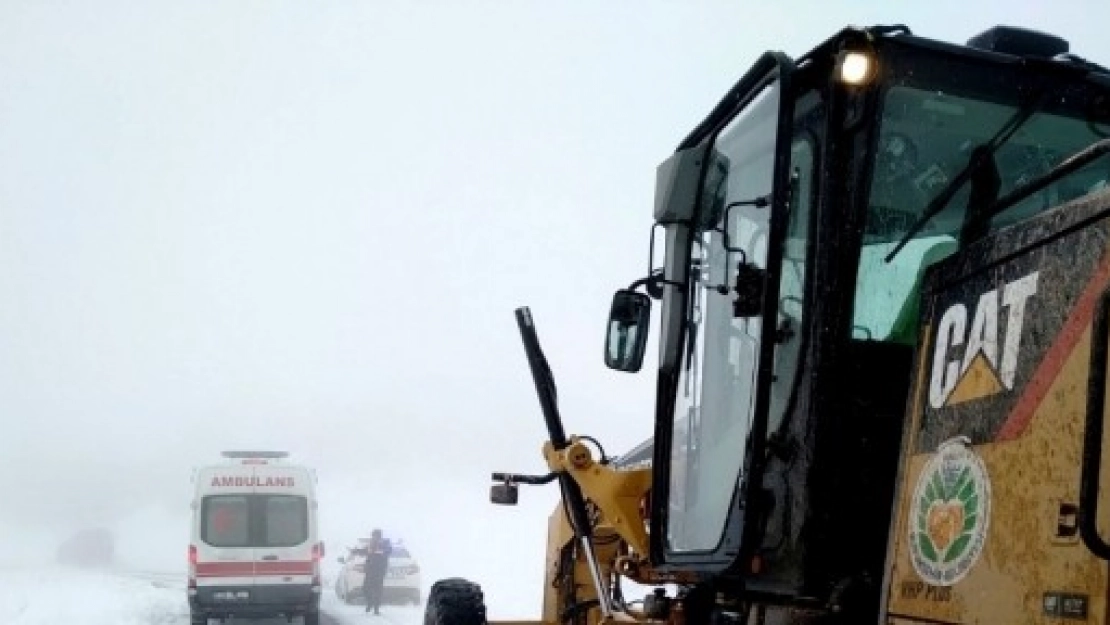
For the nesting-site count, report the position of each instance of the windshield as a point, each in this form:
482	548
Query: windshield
717	386
925	139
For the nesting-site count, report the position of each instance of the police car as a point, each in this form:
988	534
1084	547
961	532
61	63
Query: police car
402	580
254	550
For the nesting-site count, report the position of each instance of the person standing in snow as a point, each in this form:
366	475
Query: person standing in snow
377	562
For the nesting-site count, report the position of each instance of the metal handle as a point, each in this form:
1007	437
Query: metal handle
544	381
1092	431
525	479
269	557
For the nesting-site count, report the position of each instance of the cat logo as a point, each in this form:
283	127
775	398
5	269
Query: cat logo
980	370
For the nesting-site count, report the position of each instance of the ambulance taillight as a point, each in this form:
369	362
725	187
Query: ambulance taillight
192	569
317	556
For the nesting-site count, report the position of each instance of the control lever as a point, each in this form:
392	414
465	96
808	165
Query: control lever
573	500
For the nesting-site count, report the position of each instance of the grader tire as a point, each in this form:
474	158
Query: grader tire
455	601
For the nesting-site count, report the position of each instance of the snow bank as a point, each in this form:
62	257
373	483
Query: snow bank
56	595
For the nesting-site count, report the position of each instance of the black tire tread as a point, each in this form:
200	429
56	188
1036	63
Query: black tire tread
455	601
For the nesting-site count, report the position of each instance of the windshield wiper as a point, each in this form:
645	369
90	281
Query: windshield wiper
980	156
1078	160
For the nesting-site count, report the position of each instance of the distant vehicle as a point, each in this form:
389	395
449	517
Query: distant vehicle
402	580
254	550
90	548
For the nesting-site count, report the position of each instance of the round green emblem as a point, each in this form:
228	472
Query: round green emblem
951	513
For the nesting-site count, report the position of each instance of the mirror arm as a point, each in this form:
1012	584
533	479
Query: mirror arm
653	284
654	280
762	201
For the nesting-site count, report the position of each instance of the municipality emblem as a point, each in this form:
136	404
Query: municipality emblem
951	514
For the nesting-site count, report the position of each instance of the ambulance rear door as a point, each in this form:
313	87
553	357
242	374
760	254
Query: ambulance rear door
225	555
286	550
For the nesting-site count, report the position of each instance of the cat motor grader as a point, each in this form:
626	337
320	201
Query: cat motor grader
883	345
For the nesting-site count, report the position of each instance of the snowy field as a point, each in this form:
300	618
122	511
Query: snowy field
64	596
501	548
59	596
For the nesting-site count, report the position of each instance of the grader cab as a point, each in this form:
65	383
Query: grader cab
882	365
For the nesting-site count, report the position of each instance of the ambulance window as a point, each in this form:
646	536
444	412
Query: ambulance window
225	521
286	521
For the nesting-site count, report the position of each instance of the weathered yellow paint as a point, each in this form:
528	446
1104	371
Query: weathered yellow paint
920	387
617	493
559	535
1023	557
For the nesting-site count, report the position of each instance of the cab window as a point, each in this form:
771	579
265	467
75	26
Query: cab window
925	140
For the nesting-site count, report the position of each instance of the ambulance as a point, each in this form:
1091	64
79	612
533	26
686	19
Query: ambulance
254	551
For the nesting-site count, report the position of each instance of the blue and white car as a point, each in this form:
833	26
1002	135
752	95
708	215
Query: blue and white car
402	580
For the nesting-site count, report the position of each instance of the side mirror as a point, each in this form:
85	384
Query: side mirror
503	494
342	560
626	337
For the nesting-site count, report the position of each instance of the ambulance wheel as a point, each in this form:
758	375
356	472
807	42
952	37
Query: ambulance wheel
312	618
198	618
455	601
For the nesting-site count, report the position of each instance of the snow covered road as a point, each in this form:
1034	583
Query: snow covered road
59	596
339	613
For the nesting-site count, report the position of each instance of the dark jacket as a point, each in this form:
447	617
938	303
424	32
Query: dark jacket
377	559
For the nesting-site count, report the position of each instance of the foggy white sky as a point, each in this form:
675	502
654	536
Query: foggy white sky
305	226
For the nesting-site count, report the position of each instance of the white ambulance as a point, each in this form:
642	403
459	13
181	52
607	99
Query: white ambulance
254	550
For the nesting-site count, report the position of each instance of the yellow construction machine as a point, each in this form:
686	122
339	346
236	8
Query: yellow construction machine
883	345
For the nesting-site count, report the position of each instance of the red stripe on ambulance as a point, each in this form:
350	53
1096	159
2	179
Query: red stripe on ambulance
247	569
225	569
